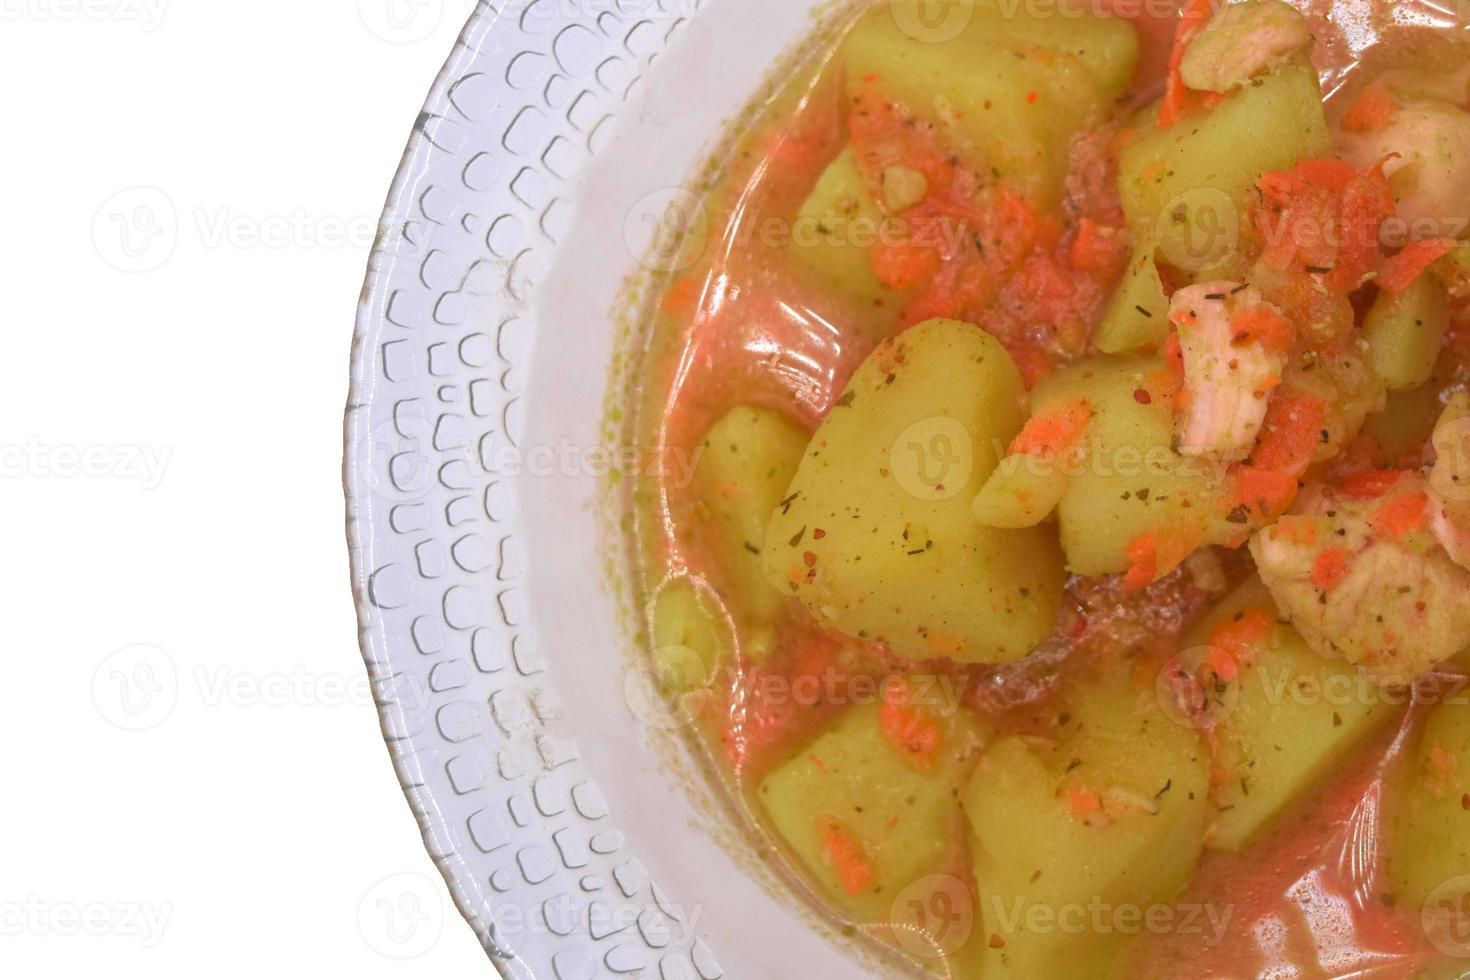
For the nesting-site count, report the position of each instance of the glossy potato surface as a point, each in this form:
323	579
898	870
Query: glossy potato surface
876	533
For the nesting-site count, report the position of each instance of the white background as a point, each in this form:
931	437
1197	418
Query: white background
195	785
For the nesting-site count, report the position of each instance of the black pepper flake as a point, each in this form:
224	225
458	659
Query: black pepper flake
796	538
1144	312
846	399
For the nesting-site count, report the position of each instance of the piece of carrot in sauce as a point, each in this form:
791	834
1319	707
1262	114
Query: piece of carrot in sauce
1405	268
1192	19
1054	432
1373	112
1238	639
1083	802
904	265
1330	569
1401	515
1267	493
1291	433
1261	324
853	870
910	730
1372	484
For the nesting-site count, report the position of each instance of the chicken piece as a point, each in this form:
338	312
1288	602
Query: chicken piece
1242	41
1430	174
1363	577
1230	368
1449	480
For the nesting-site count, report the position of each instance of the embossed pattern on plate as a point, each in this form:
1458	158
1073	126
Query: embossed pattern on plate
508	811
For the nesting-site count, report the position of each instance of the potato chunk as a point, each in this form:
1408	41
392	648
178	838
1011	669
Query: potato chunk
690	636
746	462
1006	86
835	231
1111	817
1137	317
1405	332
1282	716
1187	188
1429	830
876	535
872	805
1128	482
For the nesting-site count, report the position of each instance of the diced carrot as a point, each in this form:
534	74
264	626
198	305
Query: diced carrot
1095	249
904	265
1239	638
1033	362
1153	556
1264	325
908	728
1373	112
1330	174
853	870
1405	268
1291	434
1268	493
1143	553
1055	432
1402	515
1367	202
1192	19
1297	530
1083	802
1330	568
1371	484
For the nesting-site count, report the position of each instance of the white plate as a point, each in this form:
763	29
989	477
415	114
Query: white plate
479	369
